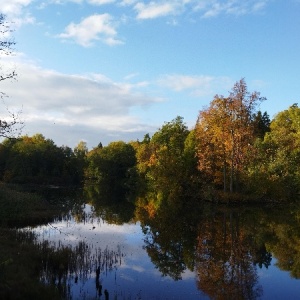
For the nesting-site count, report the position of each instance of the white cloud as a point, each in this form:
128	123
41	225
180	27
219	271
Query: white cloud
208	8
183	82
95	27
154	10
100	2
130	76
259	5
213	8
13	7
128	2
200	85
69	108
14	12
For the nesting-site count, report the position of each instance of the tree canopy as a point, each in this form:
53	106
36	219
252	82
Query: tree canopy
225	135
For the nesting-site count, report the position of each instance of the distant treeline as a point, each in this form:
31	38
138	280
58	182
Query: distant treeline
233	151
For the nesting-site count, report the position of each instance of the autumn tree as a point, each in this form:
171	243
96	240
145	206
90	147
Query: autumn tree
225	134
12	124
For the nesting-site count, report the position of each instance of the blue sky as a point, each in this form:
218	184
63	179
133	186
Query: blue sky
108	70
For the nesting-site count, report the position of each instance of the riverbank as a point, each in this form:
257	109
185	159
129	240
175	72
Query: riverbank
23	208
20	258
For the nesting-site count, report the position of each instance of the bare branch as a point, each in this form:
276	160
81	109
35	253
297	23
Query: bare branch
12	125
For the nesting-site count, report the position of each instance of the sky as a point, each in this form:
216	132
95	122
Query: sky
109	70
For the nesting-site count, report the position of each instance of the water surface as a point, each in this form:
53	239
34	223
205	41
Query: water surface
173	253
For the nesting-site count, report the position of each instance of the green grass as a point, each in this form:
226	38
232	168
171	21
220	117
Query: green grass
19	208
20	258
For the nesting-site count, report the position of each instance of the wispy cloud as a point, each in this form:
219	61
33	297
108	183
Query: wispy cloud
154	10
96	27
100	2
128	2
213	8
103	27
196	85
207	8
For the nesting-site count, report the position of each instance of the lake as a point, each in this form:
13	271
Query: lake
174	250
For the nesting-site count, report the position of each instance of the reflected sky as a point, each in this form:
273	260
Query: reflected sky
133	277
276	283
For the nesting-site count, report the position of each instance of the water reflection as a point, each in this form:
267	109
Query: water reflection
170	234
114	209
169	246
73	259
224	261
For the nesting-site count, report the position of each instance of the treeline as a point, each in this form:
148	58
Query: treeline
234	151
38	160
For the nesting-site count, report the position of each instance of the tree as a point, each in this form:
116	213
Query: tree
279	155
261	124
167	164
225	134
12	124
113	167
81	149
38	160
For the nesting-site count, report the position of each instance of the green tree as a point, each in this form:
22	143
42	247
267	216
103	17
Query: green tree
33	158
261	124
166	162
81	149
113	167
276	166
80	152
38	160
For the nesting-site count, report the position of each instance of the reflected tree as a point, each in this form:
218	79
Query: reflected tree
107	207
284	239
224	262
170	231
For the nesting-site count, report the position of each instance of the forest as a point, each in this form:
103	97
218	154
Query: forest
233	153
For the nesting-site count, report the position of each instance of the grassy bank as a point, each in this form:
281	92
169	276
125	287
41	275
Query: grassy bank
20	208
20	258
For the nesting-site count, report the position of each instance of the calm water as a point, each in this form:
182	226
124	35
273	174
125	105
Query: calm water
174	252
